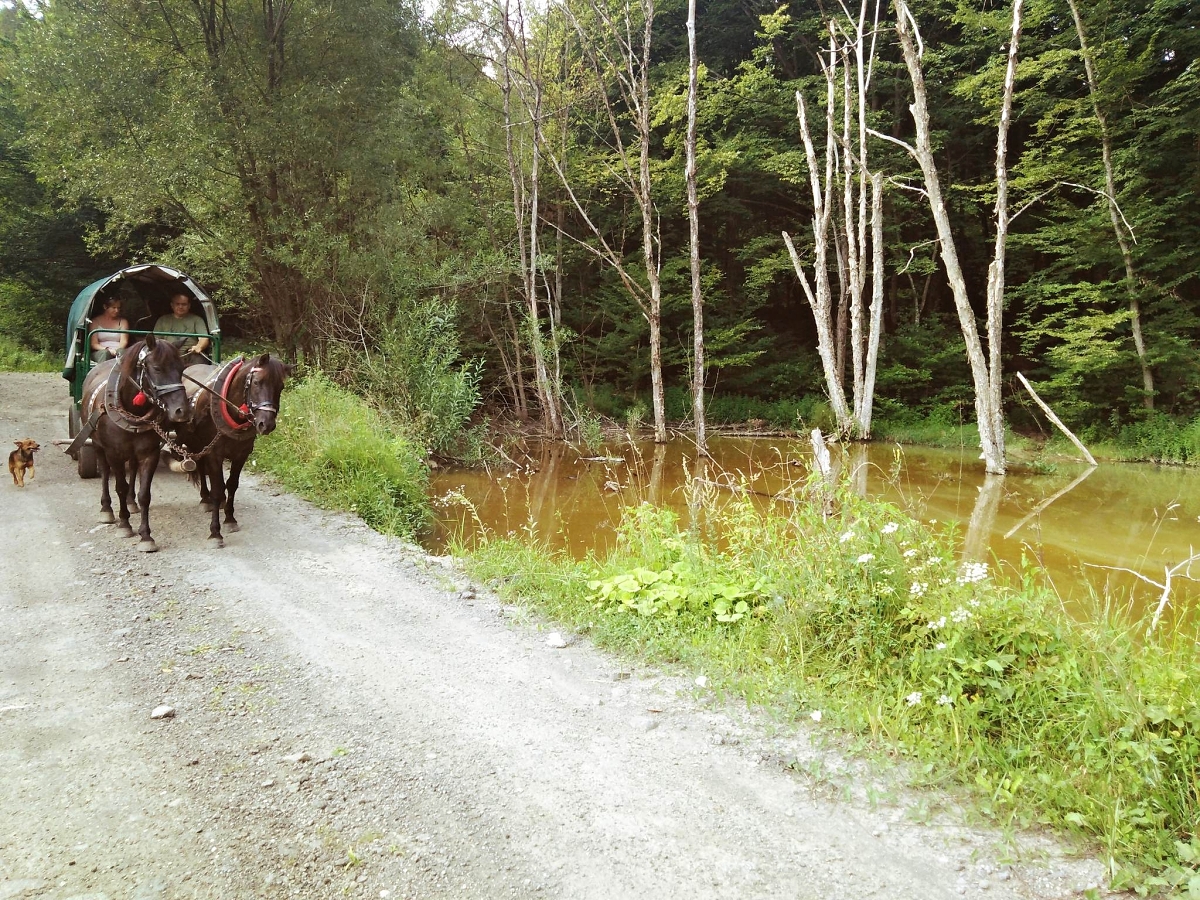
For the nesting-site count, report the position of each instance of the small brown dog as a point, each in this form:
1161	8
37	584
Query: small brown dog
21	460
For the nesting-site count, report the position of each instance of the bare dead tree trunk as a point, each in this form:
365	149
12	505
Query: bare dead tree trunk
985	372
865	406
821	300
694	238
1110	193
847	156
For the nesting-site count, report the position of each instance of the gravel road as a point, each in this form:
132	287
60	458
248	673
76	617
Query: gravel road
351	718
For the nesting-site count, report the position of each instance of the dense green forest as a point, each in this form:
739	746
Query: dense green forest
483	208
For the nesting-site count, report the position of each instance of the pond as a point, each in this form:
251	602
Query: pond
1072	520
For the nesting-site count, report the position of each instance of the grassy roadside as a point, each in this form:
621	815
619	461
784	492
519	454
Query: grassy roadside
15	358
332	448
865	622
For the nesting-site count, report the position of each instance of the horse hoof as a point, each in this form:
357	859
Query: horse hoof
232	526
107	517
147	546
125	529
206	505
216	542
134	508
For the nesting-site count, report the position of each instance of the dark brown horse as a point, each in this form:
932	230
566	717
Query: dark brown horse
128	401
231	405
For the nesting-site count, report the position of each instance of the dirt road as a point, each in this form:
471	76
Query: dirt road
352	720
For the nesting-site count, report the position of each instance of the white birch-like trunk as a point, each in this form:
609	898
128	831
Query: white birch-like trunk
863	409
821	299
693	204
1110	193
985	375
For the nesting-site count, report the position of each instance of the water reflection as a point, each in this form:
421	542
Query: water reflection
1139	517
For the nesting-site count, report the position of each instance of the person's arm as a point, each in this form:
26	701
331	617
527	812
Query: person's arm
94	340
203	342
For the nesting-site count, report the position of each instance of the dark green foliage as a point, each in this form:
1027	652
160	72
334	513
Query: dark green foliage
347	189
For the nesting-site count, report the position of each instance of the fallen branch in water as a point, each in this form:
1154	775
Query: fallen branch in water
1165	587
1057	421
1041	506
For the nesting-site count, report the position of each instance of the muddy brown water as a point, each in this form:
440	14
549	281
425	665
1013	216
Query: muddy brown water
1072	521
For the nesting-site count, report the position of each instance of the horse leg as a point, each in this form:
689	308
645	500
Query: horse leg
122	479
131	474
231	486
206	502
106	513
146	468
216	480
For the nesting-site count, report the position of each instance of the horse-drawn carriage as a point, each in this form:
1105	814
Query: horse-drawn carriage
129	401
146	292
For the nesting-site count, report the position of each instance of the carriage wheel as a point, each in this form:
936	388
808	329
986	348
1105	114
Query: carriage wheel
88	467
72	422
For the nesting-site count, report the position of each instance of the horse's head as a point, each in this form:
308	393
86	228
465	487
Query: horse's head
155	369
264	385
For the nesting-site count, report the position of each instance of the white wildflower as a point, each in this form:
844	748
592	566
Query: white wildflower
815	715
935	624
865	558
973	572
914	698
918	589
960	615
889	528
944	701
909	554
974	603
941	645
848	536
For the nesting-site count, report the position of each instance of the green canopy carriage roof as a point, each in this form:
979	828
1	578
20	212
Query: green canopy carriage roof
152	282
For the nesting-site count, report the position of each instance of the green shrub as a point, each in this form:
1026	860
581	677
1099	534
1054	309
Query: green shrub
333	448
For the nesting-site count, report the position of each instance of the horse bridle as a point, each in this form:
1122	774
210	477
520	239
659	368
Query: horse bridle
152	390
255	407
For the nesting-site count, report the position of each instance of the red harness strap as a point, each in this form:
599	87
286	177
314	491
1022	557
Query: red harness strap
244	410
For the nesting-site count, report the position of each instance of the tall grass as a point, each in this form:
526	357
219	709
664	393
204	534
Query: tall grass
867	616
16	358
334	449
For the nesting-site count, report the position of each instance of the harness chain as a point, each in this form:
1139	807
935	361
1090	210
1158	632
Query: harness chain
182	451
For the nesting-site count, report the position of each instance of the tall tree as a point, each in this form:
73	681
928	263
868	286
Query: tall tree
249	133
986	371
1120	227
693	205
